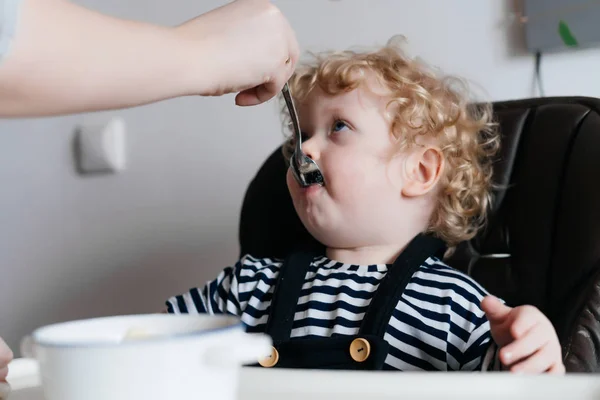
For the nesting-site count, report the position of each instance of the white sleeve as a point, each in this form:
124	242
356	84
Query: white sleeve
9	14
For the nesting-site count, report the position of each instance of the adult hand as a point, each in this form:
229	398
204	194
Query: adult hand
99	62
248	47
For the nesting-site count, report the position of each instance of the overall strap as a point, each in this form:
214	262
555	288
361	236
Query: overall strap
286	295
392	286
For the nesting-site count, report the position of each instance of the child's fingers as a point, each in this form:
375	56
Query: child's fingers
525	346
538	363
526	318
495	311
3	374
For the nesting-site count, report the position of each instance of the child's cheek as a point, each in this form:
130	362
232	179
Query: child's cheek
291	184
350	176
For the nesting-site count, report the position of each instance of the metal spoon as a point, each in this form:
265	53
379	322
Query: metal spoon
305	170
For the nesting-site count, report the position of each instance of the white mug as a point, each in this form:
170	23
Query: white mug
145	357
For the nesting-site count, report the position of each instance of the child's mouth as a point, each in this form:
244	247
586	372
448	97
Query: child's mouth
312	173
311	189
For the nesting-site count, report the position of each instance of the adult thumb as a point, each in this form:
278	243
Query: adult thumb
495	311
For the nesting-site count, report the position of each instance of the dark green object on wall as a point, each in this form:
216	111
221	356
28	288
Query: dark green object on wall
566	35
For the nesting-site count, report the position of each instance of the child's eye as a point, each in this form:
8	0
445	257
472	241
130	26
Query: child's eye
339	126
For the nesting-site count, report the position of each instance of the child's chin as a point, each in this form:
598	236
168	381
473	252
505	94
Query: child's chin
323	235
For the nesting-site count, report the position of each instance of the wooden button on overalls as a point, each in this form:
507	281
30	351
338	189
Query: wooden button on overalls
360	349
271	360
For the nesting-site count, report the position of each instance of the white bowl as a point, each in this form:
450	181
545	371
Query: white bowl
167	357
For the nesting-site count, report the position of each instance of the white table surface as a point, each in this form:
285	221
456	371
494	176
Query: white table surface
266	384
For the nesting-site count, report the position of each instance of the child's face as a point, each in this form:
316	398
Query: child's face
349	136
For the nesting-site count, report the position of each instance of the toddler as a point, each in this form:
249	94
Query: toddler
407	166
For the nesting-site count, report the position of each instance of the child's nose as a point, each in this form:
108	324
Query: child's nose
310	147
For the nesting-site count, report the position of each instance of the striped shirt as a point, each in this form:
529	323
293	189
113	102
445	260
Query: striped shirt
438	324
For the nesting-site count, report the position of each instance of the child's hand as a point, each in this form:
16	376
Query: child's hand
527	340
5	357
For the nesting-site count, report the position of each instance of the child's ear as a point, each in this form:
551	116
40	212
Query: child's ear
422	170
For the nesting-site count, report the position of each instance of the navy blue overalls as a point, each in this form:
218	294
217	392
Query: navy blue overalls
367	350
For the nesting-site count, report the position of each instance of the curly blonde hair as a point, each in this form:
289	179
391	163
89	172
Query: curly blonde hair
427	104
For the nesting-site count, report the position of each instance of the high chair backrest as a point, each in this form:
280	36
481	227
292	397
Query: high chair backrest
542	242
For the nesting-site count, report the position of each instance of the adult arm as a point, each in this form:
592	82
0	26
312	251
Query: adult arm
65	58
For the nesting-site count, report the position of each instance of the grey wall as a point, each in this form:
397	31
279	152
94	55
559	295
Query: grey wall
73	247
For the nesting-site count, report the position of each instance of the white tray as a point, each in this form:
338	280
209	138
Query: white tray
280	384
